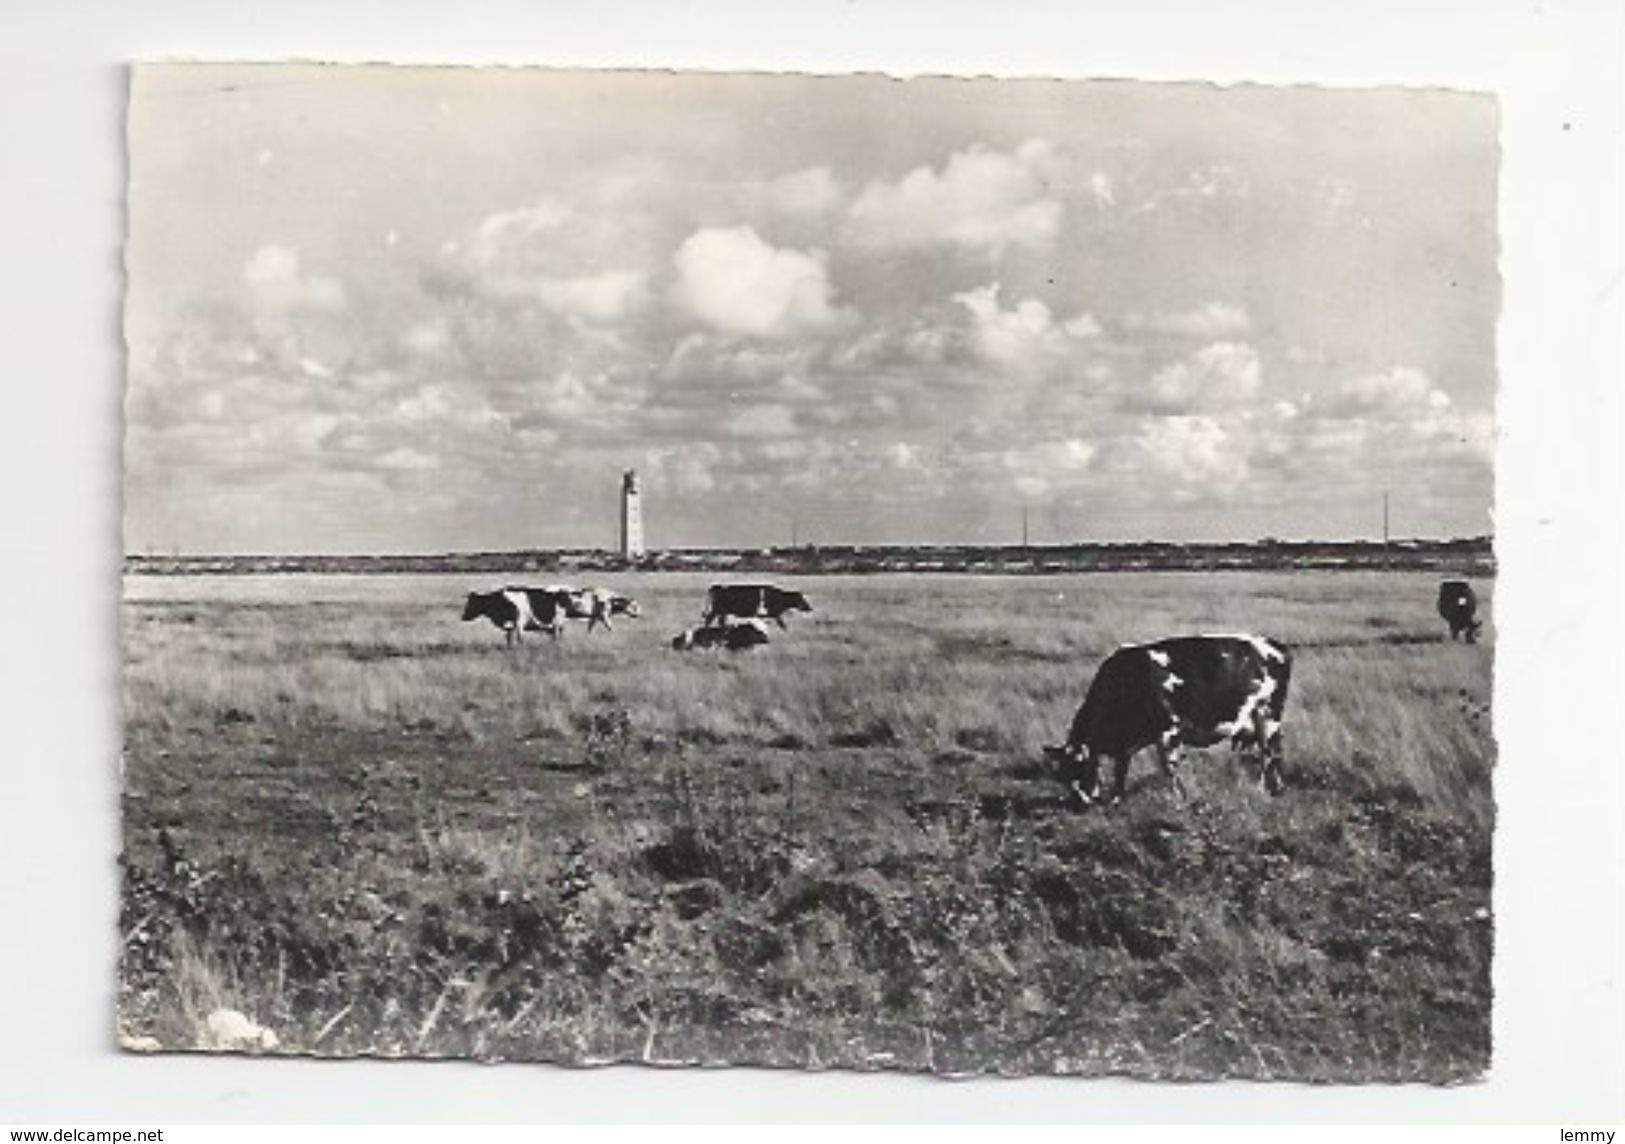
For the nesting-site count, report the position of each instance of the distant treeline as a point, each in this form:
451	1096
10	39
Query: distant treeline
1472	556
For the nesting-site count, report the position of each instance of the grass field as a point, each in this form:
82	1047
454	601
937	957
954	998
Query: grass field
388	834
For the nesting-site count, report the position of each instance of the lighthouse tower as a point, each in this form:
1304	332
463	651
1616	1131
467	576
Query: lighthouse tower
631	516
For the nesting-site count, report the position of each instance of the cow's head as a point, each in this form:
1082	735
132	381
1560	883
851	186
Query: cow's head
474	608
1079	768
796	602
682	641
623	606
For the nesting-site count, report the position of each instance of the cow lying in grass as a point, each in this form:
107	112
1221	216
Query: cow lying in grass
738	636
1193	691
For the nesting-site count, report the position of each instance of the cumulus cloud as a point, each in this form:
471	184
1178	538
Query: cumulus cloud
277	284
1217	376
980	201
1083	326
1018	339
1211	320
551	255
735	282
601	297
1041	468
1400	392
1194	454
1024	341
1403	403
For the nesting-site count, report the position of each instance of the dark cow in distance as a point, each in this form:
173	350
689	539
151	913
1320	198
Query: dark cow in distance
514	611
726	602
1458	607
734	636
1191	691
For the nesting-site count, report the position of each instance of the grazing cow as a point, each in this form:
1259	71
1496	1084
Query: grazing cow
749	601
1458	607
739	636
514	611
1192	691
595	605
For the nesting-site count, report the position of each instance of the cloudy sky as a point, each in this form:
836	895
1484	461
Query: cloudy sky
404	310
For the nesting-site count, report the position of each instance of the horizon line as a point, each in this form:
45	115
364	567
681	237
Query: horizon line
653	552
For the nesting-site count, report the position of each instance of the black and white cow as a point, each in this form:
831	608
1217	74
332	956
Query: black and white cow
595	605
1458	607
514	611
1192	691
750	601
738	636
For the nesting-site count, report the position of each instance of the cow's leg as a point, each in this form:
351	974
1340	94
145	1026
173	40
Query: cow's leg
1170	754
780	621
1119	776
1268	729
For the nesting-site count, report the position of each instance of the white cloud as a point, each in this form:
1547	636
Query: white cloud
551	254
738	284
502	231
1212	320
277	284
1040	468
1020	339
1403	401
981	201
1217	376
601	297
1193	452
1083	326
1400	392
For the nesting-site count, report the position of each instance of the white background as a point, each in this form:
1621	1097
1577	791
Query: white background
1558	67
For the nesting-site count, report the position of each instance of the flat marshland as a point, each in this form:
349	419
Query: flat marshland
375	829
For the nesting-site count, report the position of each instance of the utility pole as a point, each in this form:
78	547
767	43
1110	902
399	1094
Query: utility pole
1386	560
1024	528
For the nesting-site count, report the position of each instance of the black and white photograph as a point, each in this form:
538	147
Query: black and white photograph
955	576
